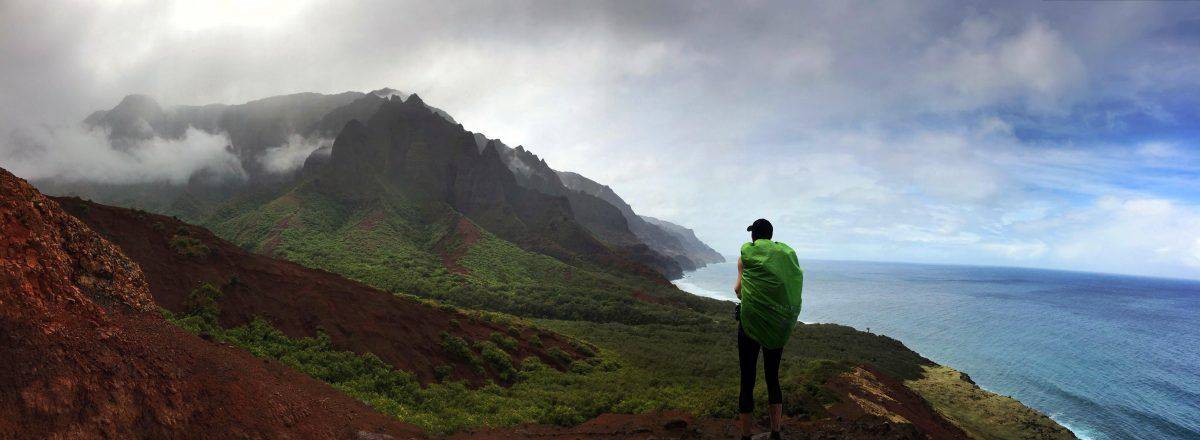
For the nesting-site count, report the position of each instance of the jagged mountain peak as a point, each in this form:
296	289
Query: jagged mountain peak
387	93
139	103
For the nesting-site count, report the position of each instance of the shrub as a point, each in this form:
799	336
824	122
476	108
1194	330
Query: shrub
559	355
188	246
202	302
497	358
459	348
202	306
585	349
443	372
581	367
505	342
532	363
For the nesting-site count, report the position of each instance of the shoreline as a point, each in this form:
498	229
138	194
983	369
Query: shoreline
683	285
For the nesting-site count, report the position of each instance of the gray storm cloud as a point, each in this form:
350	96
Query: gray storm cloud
921	130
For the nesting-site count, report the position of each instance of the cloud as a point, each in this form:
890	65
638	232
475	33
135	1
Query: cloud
77	154
1138	235
980	66
291	155
920	131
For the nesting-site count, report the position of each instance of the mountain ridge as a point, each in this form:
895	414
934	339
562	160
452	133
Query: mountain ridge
840	382
258	126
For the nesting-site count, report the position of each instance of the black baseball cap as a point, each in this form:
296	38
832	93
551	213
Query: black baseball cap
761	228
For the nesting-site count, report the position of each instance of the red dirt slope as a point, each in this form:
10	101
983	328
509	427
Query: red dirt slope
868	394
86	356
299	300
872	406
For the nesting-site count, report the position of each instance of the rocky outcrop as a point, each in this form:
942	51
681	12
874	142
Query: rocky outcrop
406	146
692	247
678	243
86	355
602	219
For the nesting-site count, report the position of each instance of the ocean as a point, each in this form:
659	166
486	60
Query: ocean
1107	356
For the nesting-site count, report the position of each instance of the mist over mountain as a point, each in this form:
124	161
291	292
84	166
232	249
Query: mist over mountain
344	143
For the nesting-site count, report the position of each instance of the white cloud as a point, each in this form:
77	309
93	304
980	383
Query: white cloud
1149	236
981	66
895	120
1019	250
73	153
291	155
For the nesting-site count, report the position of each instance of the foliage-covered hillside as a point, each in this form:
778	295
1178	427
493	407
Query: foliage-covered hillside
375	218
406	201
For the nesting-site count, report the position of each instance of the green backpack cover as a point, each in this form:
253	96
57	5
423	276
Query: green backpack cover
771	285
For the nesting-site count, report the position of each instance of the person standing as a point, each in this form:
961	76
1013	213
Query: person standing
769	284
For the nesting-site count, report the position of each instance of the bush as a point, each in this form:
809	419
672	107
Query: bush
559	355
507	343
203	309
459	348
443	372
583	348
581	367
188	246
497	358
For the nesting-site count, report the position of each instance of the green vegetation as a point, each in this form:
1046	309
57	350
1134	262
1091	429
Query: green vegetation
989	416
188	246
497	358
459	348
632	371
507	342
399	247
655	347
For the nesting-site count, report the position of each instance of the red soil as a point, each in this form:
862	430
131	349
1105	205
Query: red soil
678	425
369	222
873	406
456	244
298	300
867	393
87	356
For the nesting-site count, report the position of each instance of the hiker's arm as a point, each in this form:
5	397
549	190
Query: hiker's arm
737	287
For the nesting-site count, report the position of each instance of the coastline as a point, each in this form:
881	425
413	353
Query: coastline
951	392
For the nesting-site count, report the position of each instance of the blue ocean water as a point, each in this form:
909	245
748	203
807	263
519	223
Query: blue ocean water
1107	356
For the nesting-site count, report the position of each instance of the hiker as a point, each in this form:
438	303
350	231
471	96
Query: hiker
768	285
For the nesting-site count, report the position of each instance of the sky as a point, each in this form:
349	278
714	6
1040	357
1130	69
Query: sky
1042	134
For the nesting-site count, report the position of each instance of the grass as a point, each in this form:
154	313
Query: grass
391	244
679	354
622	377
988	416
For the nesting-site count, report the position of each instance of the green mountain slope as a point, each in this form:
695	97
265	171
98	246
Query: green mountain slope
407	203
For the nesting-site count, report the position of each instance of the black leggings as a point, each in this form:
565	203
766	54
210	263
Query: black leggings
748	361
